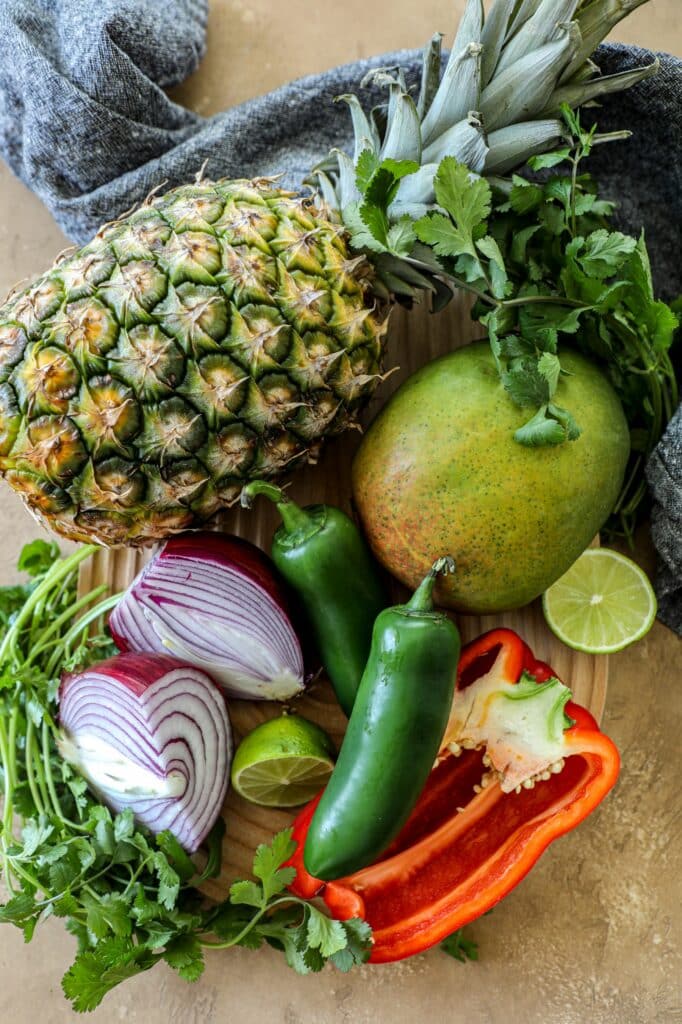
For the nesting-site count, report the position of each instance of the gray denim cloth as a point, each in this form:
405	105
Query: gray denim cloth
84	121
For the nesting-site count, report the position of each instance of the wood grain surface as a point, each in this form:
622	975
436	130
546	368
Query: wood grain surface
414	339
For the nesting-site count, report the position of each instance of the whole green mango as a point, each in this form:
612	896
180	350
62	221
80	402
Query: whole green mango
439	472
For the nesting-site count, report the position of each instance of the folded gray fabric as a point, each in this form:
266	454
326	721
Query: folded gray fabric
664	473
84	121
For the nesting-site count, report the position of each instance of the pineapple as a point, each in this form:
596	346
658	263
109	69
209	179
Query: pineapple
221	331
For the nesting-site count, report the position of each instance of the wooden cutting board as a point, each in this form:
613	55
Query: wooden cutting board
415	338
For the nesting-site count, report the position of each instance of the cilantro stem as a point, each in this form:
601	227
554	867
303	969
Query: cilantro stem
490	300
38	766
12	757
57	807
20	872
250	924
36	619
7	816
50	782
577	155
77	629
70	613
8	774
37	798
554	300
53	576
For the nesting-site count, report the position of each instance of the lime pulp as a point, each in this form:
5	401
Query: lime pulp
602	604
283	762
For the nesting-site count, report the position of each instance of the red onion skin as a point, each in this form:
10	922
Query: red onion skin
137	672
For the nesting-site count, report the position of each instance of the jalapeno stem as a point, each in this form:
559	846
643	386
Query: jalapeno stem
422	599
293	516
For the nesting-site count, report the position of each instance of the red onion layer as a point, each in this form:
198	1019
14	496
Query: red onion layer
216	602
152	734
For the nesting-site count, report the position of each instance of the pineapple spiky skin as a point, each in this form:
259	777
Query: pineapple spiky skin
217	334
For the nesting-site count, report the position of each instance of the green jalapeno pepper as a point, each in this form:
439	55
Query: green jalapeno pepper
393	736
321	554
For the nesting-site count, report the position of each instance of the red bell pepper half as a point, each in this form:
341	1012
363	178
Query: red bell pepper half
514	774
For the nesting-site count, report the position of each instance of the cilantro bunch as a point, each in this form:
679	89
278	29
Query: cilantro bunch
547	269
128	897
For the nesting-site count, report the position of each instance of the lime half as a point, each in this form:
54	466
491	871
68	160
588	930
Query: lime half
602	604
283	763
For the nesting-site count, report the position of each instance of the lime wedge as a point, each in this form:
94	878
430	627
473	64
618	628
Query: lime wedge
283	763
602	604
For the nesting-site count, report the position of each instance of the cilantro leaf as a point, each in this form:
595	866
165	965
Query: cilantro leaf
564	417
520	242
124	825
587	202
300	957
660	320
107	914
401	237
543	160
538	317
525	384
379	192
604	253
498	273
375	219
37	557
361	236
158	934
18	908
550	368
176	856
358	944
247	893
540	430
459	947
169	881
465	197
467	201
399	168
267	864
524	196
367	164
94	973
34	834
324	933
185	955
439	232
64	872
11	600
65	906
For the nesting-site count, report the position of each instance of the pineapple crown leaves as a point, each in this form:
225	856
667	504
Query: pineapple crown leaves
494	104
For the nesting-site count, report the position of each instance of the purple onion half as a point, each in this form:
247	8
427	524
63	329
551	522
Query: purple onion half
151	734
216	602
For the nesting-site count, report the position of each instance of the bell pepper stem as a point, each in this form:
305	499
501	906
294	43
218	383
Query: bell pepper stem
293	516
422	599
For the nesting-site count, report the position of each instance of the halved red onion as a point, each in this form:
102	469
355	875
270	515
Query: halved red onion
216	602
150	733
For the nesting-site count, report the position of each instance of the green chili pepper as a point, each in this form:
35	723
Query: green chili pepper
321	553
393	735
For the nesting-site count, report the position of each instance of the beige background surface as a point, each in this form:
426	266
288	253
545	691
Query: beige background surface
593	935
